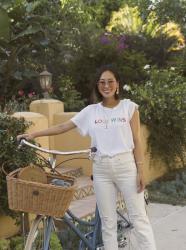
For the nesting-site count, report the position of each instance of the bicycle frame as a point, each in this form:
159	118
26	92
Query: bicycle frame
96	229
68	218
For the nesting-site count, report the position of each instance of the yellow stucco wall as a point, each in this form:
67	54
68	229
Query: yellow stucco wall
48	108
153	168
39	122
72	140
8	227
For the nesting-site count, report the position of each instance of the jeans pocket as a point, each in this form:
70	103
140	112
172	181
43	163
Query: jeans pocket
124	158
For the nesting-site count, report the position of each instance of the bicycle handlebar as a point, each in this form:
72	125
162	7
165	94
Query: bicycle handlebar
56	152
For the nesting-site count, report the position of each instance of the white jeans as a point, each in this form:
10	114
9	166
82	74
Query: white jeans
120	171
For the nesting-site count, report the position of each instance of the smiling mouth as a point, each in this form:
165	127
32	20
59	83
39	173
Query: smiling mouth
107	91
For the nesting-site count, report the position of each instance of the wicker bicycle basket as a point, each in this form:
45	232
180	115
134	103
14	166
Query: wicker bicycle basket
39	198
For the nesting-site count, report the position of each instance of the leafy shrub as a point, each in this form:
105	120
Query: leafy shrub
17	243
4	244
10	156
154	39
55	242
20	102
69	95
170	188
162	106
106	48
69	239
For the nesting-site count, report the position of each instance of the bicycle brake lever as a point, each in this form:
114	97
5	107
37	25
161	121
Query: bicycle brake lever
92	153
93	150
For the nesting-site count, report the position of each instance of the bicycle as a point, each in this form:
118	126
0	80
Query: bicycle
43	225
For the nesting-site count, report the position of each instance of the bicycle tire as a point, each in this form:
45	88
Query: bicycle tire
36	236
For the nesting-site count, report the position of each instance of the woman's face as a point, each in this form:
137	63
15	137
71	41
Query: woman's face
107	85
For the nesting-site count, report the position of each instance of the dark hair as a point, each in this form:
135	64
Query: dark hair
113	70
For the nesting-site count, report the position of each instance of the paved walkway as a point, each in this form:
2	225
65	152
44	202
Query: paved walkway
169	226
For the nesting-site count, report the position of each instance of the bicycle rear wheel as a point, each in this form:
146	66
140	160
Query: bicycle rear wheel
39	234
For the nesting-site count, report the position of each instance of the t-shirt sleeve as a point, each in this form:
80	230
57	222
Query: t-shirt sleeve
132	106
81	120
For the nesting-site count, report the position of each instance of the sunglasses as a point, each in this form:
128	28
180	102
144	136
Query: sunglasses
109	82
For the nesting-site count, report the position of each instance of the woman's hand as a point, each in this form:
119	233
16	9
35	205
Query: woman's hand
25	136
140	182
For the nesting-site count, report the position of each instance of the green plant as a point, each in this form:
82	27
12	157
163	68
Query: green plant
10	156
162	106
69	95
105	48
55	242
17	46
170	188
157	41
17	243
4	244
37	32
19	103
68	238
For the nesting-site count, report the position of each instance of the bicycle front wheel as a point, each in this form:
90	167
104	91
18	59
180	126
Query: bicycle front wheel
39	234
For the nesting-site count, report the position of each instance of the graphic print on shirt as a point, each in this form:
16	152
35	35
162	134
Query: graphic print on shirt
109	118
116	121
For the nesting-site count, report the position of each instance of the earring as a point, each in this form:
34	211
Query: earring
117	91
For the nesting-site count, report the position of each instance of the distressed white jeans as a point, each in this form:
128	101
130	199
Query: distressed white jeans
111	174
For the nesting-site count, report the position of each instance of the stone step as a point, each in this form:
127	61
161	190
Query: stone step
84	208
70	171
84	187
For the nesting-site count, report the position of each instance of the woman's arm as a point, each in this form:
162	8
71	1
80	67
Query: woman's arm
138	153
54	130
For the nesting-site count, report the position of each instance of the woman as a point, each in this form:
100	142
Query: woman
114	128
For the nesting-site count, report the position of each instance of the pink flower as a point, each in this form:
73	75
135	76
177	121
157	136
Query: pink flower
21	92
30	95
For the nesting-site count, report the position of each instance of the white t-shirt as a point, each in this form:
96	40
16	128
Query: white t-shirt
109	128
